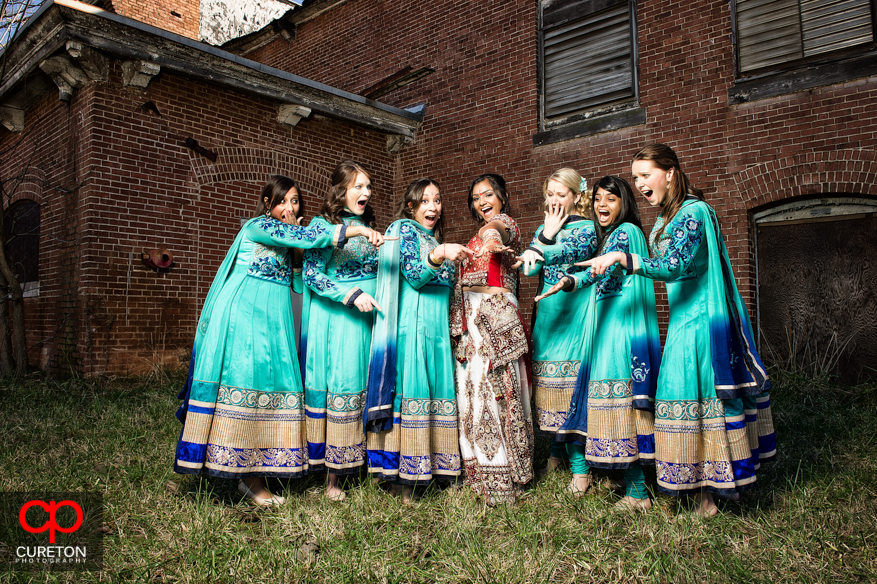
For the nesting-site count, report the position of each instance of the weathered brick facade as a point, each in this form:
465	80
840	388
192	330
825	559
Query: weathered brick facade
182	18
115	178
482	108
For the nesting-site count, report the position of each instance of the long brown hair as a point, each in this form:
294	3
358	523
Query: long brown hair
411	200
664	158
342	178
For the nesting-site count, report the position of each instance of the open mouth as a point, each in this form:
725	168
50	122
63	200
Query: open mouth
603	217
486	211
430	218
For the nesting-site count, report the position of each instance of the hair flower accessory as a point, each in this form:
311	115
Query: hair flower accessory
583	186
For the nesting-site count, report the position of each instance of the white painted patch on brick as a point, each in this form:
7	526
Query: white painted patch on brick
224	20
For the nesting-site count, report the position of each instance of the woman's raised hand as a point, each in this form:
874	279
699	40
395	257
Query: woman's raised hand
365	303
555	217
528	259
600	264
561	284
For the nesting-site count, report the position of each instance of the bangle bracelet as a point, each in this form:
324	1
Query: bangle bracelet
431	261
491	235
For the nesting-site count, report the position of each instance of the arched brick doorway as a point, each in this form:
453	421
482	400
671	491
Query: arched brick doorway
815	259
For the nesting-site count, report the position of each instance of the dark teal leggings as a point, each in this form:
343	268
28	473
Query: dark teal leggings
633	477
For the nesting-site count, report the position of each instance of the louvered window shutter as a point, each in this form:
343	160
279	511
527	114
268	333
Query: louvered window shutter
587	61
770	32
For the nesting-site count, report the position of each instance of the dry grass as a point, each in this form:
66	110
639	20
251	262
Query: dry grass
813	517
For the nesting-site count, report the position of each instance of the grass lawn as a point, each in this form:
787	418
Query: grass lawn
812	518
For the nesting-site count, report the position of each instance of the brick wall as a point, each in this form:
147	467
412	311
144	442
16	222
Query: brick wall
482	108
119	181
46	159
182	18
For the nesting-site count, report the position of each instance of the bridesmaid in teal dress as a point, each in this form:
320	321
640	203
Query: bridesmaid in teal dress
411	408
337	327
243	409
567	236
611	416
713	424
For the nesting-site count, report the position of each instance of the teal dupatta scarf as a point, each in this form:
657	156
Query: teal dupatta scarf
381	389
222	274
737	366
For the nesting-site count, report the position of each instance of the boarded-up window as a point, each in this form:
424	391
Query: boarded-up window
817	287
22	224
771	32
587	55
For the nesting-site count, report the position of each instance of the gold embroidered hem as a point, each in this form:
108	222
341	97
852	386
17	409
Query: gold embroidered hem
704	444
246	432
336	439
422	445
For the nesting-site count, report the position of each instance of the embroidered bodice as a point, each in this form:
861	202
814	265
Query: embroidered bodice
676	250
576	242
333	272
610	283
416	242
493	269
265	247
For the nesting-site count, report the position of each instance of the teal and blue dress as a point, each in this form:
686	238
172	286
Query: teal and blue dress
557	330
713	424
411	411
611	411
335	341
243	408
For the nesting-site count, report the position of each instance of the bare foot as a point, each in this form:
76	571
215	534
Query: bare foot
705	505
553	464
634	504
407	494
579	484
395	489
254	488
335	493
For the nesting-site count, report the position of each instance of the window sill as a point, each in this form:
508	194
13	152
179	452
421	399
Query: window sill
597	125
807	76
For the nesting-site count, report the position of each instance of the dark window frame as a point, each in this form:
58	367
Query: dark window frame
603	117
22	255
804	73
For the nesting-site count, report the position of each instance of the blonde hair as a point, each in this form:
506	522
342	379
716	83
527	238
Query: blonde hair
572	180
